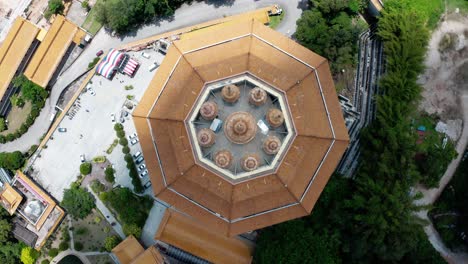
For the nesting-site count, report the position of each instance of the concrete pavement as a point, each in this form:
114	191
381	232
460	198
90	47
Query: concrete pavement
187	14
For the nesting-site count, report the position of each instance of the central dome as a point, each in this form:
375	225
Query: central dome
240	127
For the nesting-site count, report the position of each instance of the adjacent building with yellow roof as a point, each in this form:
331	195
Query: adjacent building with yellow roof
61	38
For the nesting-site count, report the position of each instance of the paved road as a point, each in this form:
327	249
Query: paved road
186	15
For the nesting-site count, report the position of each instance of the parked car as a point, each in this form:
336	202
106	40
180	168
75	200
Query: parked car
134	141
132	136
113	118
144	173
145	55
139	160
136	155
153	66
91	91
141	167
147	185
62	129
99	53
82	158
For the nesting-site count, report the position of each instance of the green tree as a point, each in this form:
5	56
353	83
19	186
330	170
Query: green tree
3	125
111	242
11	160
109	172
132	229
97	186
85	168
78	245
56	6
78	202
53	252
63	246
29	255
30	90
123	141
85	5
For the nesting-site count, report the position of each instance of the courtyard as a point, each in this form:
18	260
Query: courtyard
90	129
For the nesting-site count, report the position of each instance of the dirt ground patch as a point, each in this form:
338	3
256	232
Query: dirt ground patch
446	75
91	231
35	12
17	117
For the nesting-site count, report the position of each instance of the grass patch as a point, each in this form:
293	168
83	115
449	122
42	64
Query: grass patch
17	117
91	24
431	10
454	4
99	159
276	20
112	146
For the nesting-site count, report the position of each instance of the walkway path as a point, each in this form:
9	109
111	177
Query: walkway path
195	13
109	217
431	195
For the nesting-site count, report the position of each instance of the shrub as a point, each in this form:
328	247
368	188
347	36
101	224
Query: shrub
130	97
63	246
129	87
86	168
126	150
93	63
97	186
106	229
109	172
45	261
132	229
78	246
53	252
123	142
97	219
111	242
3	125
82	231
99	159
66	236
85	5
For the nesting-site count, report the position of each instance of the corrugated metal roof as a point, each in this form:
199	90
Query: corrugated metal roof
13	50
234	208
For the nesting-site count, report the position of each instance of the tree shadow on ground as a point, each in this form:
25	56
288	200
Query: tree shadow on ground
303	5
218	3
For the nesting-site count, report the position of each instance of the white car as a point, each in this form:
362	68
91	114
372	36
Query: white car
141	167
144	173
92	92
134	141
113	118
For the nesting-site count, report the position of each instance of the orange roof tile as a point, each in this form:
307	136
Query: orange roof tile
236	207
52	49
199	240
13	50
